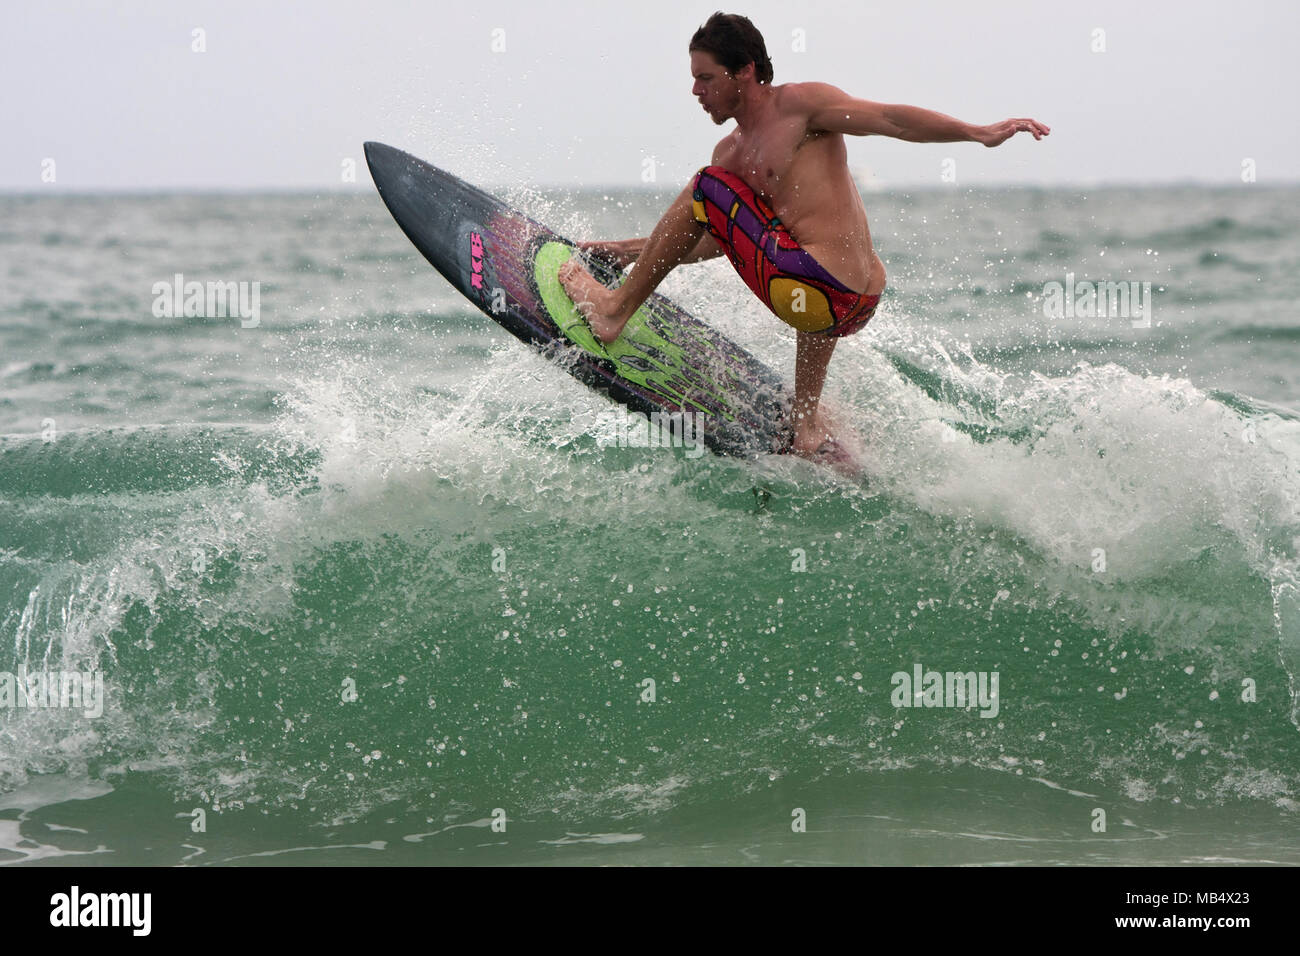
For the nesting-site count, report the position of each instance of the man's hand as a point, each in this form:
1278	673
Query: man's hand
995	134
622	252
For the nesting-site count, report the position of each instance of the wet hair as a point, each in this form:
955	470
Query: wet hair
734	42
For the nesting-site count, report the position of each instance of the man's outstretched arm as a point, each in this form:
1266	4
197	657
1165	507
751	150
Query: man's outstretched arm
832	110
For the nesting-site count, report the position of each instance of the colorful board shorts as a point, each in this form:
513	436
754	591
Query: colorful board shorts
787	279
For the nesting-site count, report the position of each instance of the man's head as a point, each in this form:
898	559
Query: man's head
728	57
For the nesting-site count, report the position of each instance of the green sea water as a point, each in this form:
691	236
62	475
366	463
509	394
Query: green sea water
367	583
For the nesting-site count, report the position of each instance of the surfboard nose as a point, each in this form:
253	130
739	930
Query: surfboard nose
382	159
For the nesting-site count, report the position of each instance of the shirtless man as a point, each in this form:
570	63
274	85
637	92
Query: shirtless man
778	194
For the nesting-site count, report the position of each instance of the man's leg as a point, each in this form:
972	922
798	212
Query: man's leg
607	310
812	355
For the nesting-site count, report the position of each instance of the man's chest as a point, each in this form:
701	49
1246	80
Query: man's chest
766	159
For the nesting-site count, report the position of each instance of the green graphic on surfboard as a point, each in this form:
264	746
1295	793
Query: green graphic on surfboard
642	353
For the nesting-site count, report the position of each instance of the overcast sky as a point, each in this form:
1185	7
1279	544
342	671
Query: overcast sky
585	91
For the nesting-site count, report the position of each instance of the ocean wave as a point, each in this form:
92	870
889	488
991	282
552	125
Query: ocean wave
389	594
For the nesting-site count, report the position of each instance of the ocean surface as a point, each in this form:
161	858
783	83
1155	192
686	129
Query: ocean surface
365	583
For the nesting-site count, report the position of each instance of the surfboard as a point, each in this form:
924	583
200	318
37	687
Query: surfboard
666	363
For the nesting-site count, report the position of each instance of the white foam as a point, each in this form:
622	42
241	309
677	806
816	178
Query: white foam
39	792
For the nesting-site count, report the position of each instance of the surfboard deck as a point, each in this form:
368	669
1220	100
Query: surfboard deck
666	361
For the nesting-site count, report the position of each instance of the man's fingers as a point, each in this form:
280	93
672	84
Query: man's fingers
602	250
1024	124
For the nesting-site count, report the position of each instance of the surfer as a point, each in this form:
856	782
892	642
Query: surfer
777	197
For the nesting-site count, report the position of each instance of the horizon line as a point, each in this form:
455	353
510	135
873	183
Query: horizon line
871	188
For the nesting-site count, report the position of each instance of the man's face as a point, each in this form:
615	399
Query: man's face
714	88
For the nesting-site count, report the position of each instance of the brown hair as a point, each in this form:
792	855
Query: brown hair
734	42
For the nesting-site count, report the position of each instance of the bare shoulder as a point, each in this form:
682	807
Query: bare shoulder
807	98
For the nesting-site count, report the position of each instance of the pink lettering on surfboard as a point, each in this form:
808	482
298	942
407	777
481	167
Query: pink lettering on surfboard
476	259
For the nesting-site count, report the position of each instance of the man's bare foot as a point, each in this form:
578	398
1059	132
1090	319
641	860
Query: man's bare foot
601	307
818	443
809	436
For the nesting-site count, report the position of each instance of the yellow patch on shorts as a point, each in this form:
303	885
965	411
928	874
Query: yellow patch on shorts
799	304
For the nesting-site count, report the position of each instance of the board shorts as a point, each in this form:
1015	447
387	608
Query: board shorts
787	279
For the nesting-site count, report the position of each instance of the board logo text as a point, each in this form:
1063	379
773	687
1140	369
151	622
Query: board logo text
476	260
